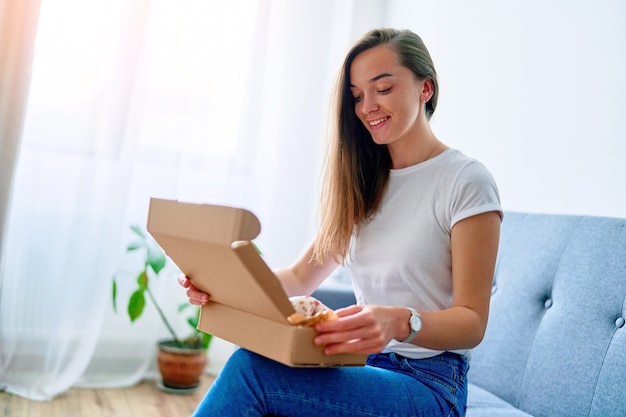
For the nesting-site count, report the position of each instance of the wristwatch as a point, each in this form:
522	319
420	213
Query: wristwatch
415	324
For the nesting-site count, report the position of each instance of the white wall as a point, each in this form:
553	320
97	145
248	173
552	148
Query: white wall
536	90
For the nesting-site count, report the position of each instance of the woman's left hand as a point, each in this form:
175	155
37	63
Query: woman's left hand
360	329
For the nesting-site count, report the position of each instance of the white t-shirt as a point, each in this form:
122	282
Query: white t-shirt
401	257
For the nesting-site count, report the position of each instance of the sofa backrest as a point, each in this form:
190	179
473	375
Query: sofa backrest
556	339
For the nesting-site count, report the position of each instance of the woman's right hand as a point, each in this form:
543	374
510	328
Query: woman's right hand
194	295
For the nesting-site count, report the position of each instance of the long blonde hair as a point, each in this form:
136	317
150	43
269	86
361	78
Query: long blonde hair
356	169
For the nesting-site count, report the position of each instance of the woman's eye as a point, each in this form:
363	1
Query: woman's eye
385	91
356	99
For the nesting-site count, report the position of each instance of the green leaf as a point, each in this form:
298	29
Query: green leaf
195	319
156	259
206	340
136	305
134	246
138	231
114	295
183	306
142	280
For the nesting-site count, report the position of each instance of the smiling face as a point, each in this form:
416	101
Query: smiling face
388	98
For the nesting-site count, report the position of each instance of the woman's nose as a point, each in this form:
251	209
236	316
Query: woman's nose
369	104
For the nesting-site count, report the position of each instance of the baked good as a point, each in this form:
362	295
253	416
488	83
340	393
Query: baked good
309	311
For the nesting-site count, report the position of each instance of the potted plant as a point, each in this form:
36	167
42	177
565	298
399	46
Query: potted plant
181	361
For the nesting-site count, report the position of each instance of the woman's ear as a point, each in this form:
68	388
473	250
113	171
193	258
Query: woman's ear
428	90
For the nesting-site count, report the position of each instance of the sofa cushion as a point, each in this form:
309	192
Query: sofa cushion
336	291
556	341
482	403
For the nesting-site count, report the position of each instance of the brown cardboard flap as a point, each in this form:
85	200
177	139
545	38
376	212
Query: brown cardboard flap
233	274
263	277
265	337
202	222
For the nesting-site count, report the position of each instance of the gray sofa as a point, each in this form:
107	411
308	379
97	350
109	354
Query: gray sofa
556	341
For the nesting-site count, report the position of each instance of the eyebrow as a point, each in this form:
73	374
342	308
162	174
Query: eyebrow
379	76
376	78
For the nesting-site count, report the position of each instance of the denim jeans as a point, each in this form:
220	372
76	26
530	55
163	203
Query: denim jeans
389	385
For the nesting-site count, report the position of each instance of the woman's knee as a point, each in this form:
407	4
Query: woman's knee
247	361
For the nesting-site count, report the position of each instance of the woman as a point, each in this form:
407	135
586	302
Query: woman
418	223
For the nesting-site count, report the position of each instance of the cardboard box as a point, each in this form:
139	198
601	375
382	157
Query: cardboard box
249	307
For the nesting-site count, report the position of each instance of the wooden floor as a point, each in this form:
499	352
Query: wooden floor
143	400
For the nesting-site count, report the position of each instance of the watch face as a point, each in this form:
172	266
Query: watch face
416	323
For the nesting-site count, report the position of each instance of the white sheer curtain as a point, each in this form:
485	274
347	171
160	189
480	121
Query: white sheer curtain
220	102
18	26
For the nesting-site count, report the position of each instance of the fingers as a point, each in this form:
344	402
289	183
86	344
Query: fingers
184	281
356	346
195	296
363	340
348	311
350	318
359	329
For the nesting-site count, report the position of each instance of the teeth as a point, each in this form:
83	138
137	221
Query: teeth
377	122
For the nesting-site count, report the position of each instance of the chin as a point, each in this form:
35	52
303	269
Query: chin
377	138
381	142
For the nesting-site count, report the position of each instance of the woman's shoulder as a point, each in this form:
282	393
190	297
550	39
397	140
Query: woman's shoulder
463	163
461	175
456	156
451	163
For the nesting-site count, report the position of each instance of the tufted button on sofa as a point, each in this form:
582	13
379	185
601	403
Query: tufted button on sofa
556	340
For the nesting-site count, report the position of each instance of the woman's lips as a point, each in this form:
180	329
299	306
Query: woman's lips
377	123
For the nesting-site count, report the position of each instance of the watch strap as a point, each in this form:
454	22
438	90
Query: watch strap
412	332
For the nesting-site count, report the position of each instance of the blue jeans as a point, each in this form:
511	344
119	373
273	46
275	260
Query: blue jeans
390	385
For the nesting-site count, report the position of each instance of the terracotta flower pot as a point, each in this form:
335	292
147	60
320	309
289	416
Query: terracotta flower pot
180	367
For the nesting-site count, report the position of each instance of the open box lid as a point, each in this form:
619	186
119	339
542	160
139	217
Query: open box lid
211	245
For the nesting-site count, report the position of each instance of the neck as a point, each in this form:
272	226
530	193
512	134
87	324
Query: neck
415	149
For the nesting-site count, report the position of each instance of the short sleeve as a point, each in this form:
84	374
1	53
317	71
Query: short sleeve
475	192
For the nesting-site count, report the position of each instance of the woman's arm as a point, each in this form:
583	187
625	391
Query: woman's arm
368	329
474	245
304	275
